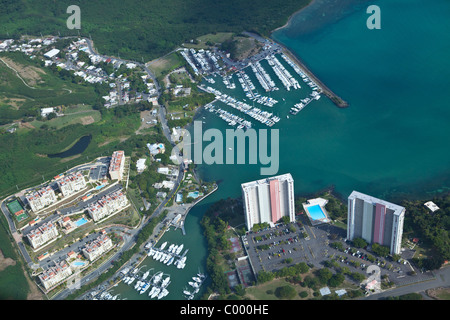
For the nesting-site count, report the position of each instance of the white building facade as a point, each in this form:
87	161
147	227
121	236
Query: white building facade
107	205
71	183
43	234
41	198
97	247
375	220
116	165
55	275
268	200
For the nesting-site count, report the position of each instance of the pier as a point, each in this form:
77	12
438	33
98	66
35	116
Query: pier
338	101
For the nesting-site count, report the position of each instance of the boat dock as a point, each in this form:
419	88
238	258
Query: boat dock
338	101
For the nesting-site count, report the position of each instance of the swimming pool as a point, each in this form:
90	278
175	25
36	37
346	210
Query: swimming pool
316	212
79	263
194	194
80	222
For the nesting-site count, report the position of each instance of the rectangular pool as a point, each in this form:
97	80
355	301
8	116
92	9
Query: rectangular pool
316	212
80	222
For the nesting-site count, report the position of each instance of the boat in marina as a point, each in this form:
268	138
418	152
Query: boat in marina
166	260
163	246
156	292
152	291
157	277
164	292
180	247
170	260
145	287
165	282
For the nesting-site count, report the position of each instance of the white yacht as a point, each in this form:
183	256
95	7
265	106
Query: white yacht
165	282
157	277
163	245
155	294
180	247
166	260
164	292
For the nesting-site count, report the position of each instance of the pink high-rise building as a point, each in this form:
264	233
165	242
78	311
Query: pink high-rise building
375	220
268	200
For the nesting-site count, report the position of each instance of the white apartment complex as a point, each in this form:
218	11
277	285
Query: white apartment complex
54	275
71	183
107	205
375	220
116	165
97	247
268	200
42	234
41	198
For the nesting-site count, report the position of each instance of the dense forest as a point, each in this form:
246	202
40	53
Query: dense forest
135	28
431	228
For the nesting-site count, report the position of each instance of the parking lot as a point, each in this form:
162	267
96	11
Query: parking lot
268	250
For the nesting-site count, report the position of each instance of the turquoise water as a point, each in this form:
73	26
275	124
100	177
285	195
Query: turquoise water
78	263
193	194
80	222
316	212
392	142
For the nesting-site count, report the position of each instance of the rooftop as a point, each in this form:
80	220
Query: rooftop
358	195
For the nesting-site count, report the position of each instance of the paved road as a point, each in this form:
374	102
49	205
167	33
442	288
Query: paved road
442	279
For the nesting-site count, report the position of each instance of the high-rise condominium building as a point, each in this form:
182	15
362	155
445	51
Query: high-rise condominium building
375	220
116	165
268	200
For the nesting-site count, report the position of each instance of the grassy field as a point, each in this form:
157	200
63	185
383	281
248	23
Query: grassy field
164	65
27	87
266	291
13	284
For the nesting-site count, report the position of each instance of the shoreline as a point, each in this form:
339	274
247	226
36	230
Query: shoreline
336	99
292	15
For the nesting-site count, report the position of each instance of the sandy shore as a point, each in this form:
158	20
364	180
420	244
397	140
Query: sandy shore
292	15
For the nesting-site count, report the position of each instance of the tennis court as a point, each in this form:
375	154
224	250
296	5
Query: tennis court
17	210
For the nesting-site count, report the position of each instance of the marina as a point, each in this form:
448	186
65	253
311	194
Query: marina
169	256
156	285
194	285
250	91
264	117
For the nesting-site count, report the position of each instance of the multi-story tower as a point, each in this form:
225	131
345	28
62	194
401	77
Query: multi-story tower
97	247
54	275
71	183
107	205
42	234
375	220
116	165
41	198
268	200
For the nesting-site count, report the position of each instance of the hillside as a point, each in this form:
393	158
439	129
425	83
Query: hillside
137	29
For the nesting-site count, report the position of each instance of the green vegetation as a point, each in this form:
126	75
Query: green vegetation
215	224
431	229
13	284
43	87
26	162
149	29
